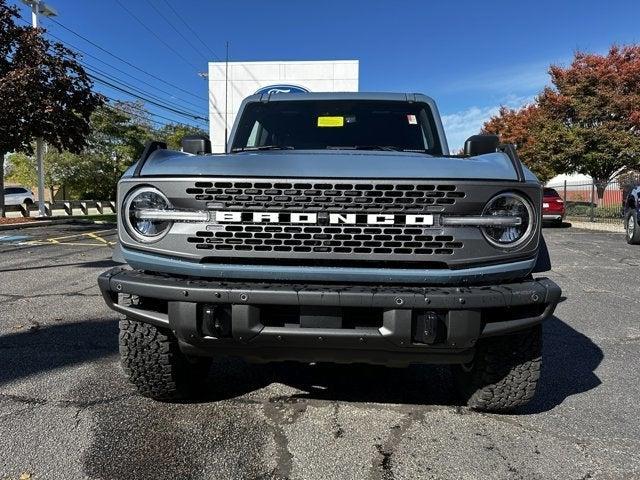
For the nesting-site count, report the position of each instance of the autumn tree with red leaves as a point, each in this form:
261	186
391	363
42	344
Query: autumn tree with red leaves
44	92
588	122
519	127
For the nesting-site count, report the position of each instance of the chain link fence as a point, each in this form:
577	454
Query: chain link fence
593	202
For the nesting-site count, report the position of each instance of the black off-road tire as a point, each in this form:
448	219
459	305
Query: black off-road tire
504	373
632	229
155	365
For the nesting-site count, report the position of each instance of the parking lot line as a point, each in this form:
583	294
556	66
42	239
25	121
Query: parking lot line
94	235
77	239
54	239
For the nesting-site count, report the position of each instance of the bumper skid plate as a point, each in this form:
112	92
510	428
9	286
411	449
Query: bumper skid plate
456	316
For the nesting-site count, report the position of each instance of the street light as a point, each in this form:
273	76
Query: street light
38	7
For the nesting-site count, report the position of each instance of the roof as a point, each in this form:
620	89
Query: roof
384	96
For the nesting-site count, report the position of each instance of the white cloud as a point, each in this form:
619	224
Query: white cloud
516	78
460	125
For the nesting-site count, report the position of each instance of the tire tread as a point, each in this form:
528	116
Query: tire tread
505	372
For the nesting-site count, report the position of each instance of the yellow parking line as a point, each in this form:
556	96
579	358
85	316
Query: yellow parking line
80	235
93	235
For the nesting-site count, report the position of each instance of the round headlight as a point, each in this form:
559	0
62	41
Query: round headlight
509	205
146	230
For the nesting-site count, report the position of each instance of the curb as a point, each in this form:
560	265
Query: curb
598	227
41	223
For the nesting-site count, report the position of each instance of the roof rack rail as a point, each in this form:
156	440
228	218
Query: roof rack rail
150	147
510	150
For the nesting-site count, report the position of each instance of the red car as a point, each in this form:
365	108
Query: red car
552	207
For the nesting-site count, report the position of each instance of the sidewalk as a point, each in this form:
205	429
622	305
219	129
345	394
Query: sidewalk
617	227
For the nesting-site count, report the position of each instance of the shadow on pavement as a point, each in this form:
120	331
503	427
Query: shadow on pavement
569	362
52	347
417	384
99	264
95	264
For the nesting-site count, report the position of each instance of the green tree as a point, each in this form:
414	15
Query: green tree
173	133
44	92
115	142
62	169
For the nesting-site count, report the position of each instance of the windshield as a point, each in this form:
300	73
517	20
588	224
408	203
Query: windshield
337	124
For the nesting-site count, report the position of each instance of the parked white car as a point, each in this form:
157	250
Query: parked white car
18	196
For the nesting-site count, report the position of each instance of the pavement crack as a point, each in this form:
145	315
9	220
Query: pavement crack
80	405
338	431
281	411
14	297
382	468
580	442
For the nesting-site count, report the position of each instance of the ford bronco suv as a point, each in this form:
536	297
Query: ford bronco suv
336	228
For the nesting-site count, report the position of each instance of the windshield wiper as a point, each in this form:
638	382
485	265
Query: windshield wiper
262	147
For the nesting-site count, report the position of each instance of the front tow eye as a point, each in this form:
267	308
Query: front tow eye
426	327
217	321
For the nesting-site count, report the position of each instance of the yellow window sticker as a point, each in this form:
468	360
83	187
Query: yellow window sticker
331	121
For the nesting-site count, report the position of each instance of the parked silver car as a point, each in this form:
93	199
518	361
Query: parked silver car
18	196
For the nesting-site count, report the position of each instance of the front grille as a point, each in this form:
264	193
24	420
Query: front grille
325	240
330	196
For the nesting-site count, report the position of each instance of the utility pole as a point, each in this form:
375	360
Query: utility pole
226	98
38	7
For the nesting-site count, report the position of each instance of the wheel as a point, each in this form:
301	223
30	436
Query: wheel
154	364
558	223
504	373
632	229
28	201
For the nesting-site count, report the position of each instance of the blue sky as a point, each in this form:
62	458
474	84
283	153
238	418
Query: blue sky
471	56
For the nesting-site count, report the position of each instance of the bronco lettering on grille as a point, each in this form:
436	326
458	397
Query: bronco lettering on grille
222	216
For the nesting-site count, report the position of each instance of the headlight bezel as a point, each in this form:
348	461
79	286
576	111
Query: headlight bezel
528	234
126	215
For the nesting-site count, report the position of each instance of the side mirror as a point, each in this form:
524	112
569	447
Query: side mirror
196	144
481	144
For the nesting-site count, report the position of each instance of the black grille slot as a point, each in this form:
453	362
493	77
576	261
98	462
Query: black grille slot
387	197
321	239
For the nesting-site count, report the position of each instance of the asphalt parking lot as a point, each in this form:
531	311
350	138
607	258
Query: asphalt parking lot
66	411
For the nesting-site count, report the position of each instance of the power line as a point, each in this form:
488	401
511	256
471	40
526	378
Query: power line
110	65
122	59
193	32
85	63
120	110
96	70
142	117
154	99
154	34
139	97
170	23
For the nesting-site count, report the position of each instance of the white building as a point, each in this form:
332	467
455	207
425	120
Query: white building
246	78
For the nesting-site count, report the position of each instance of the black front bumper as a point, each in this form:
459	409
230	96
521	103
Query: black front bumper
460	316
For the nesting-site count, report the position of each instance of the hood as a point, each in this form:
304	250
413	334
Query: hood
330	164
